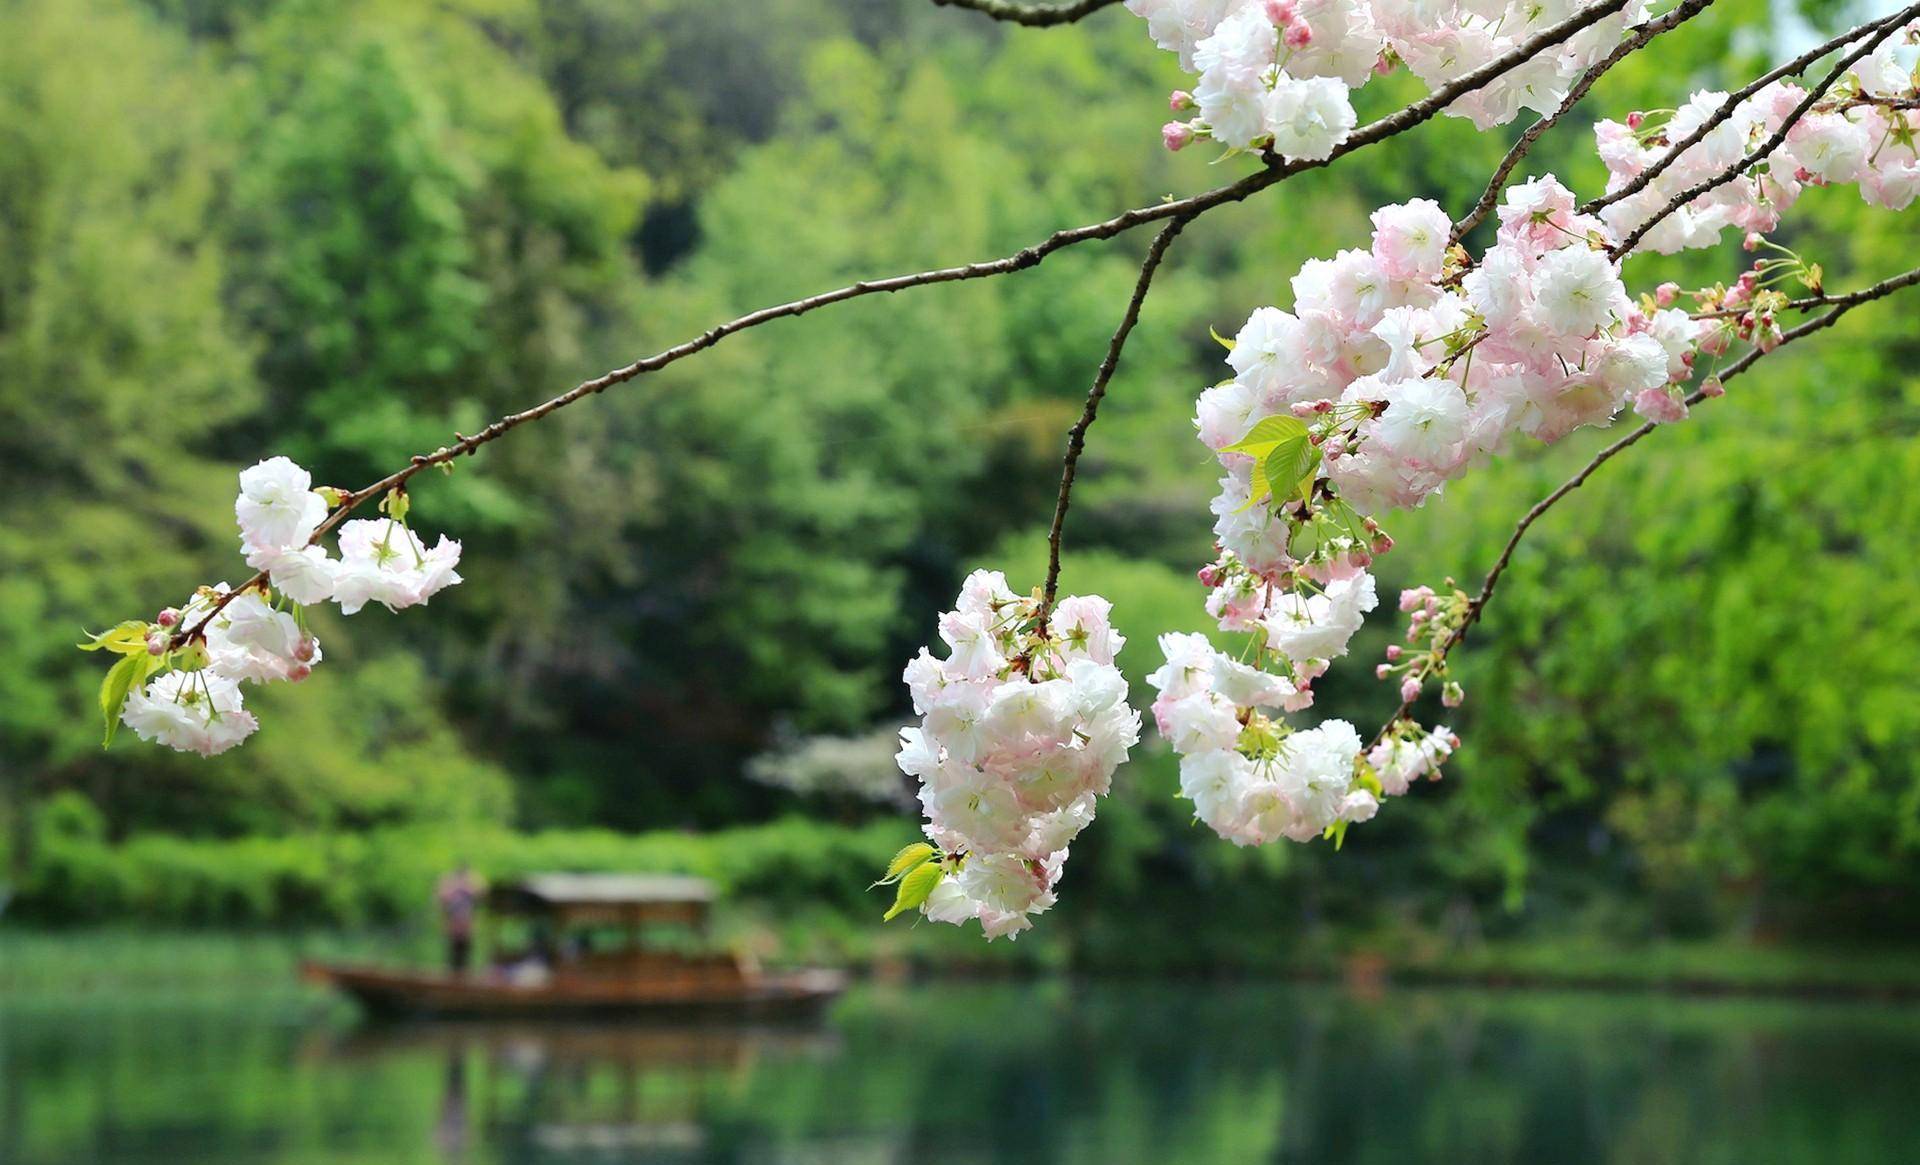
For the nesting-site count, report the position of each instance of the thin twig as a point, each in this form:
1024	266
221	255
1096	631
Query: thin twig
1275	170
1842	304
1031	15
1077	436
1633	44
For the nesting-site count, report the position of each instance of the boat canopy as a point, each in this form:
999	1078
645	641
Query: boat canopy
607	899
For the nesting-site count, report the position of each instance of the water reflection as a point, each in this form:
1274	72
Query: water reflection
956	1074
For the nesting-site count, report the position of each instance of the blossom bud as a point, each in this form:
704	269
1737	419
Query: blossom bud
1210	576
1382	543
1414	597
1747	282
1451	694
305	650
1280	12
1179	100
1636	119
1382	671
1420	616
298	672
1713	387
168	617
1393	652
1752	241
1409	690
1360	558
1768	338
1298	35
157	643
1382	65
1302	409
1175	135
1666	293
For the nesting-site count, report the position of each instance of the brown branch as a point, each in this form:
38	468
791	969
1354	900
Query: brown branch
1275	170
1842	304
1632	44
1031	15
1796	66
1077	436
1706	185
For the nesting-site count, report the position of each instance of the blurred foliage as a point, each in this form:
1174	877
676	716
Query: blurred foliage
344	230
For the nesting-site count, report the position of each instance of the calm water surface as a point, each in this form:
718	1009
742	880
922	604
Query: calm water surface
958	1074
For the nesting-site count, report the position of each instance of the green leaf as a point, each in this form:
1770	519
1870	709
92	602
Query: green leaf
121	679
914	888
127	638
1270	431
1289	459
908	857
1220	339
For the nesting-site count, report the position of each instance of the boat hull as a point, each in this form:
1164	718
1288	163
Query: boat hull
411	993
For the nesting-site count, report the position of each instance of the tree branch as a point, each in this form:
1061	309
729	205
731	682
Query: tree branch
1077	436
1842	304
1275	170
1031	15
1685	12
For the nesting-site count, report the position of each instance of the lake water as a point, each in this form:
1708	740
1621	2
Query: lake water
953	1074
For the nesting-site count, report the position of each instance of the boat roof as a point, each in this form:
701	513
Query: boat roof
613	889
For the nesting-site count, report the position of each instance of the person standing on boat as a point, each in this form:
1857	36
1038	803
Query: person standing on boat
459	897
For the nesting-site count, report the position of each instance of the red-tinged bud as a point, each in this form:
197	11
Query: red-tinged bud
1360	558
1409	690
1636	119
1382	65
306	649
1452	694
1280	12
1768	339
1713	387
1298	35
168	617
157	643
1748	281
298	672
1383	671
1302	409
1180	101
1666	293
1175	135
1393	653
1752	241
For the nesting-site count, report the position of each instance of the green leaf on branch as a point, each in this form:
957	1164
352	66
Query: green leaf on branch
128	638
1270	431
905	861
914	888
122	678
1289	461
1220	339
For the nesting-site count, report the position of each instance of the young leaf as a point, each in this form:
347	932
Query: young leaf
121	678
908	857
1287	462
1220	339
127	638
1270	431
914	888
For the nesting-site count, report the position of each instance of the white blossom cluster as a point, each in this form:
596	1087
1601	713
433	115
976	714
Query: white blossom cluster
1278	73
259	635
1021	728
1864	132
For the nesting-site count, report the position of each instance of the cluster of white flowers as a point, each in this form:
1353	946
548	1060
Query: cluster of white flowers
1022	726
1277	73
259	635
381	560
1863	132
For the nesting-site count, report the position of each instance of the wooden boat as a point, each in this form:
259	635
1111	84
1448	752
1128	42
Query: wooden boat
600	944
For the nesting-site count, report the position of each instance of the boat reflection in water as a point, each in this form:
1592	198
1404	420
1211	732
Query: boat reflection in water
532	1089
